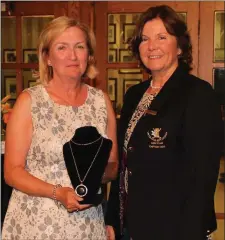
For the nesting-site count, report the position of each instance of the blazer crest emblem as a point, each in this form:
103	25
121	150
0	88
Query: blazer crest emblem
156	137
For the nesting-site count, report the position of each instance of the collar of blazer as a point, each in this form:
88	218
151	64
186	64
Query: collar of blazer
174	87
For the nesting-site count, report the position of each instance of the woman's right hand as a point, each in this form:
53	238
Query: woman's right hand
110	233
70	199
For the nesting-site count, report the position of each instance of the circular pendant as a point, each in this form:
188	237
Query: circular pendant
81	190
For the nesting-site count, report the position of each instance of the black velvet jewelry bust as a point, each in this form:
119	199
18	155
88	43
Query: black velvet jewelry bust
87	146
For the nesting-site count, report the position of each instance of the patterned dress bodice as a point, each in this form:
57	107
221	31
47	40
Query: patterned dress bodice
54	125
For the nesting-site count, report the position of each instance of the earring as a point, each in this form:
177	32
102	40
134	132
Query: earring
179	53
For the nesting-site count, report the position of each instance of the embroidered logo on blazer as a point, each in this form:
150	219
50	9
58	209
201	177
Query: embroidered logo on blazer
157	141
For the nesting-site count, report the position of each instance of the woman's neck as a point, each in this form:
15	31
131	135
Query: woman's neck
159	78
65	84
67	93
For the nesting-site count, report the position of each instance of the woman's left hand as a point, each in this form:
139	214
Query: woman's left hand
110	233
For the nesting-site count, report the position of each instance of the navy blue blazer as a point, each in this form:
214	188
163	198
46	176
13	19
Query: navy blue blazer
171	188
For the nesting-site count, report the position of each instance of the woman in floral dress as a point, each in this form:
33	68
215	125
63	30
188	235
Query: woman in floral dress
44	118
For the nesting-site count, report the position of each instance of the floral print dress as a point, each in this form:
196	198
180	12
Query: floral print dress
30	217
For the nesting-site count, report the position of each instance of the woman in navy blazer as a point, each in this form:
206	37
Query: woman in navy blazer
170	138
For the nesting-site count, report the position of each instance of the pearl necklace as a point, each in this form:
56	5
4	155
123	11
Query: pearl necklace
153	87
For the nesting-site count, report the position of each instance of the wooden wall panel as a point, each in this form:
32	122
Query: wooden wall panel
206	36
60	9
87	13
74	9
101	48
192	9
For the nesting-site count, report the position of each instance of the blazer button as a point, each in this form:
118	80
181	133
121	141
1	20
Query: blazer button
130	173
130	149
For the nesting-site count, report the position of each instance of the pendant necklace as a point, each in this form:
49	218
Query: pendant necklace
81	190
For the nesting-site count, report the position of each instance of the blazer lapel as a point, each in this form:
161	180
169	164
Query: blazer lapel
173	87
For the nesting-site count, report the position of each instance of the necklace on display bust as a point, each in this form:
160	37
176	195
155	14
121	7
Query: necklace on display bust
154	87
81	190
86	144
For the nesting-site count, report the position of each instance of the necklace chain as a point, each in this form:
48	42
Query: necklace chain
78	174
86	144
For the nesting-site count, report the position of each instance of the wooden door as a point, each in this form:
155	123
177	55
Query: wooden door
207	61
102	9
211	68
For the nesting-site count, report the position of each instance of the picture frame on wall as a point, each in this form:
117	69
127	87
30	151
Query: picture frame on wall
183	16
130	70
125	55
128	30
30	56
127	83
112	55
219	84
112	88
112	33
9	55
10	86
219	55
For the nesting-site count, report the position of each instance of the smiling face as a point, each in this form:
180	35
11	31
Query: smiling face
68	54
158	49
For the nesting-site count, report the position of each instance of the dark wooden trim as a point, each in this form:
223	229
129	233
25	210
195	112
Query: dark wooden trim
220	215
74	9
101	47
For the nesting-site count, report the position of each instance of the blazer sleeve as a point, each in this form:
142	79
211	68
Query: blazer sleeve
113	205
203	142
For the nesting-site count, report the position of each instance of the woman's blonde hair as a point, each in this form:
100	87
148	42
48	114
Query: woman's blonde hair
51	31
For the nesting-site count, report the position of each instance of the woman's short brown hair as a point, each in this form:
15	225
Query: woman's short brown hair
174	26
51	31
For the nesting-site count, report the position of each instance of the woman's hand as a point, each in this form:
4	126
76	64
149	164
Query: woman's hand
70	200
110	233
110	172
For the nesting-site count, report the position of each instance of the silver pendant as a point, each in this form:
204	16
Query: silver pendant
81	190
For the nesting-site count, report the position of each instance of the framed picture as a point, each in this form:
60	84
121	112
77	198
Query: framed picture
183	16
9	55
30	56
130	70
219	84
10	86
112	88
219	55
112	57
31	83
128	30
125	55
127	83
112	33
